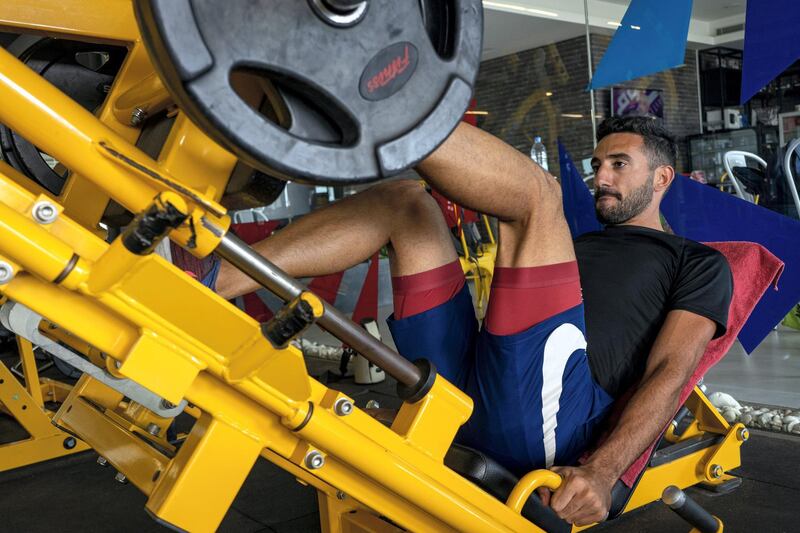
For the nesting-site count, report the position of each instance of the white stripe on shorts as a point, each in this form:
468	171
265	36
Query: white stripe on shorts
560	345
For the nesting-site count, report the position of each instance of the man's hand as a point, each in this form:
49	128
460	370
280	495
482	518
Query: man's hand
584	496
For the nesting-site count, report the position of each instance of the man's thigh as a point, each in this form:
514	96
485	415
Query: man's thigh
536	403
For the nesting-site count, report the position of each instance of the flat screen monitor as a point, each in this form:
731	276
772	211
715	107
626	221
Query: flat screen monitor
637	102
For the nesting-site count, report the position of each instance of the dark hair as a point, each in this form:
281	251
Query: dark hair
659	144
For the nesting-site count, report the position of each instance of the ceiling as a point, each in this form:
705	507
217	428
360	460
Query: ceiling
515	25
707	10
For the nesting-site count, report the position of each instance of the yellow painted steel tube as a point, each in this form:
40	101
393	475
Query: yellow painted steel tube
98	20
422	481
529	483
38	251
55	123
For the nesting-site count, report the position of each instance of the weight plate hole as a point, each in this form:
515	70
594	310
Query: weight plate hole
295	106
439	17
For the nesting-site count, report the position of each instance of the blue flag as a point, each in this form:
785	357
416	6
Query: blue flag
577	199
704	214
651	38
770	42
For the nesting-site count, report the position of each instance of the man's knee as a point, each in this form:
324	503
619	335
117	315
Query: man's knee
407	200
545	208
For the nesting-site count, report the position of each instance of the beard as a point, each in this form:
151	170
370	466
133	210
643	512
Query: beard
625	208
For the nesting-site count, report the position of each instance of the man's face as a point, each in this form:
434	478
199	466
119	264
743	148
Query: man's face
622	178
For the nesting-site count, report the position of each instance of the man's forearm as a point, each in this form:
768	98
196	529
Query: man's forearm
476	170
645	417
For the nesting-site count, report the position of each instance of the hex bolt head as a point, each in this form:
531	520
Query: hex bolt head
314	460
102	461
166	404
138	116
716	471
340	495
343	407
153	429
70	443
121	478
743	434
6	272
44	212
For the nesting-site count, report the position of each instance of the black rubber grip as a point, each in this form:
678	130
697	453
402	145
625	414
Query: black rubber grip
149	227
289	322
690	510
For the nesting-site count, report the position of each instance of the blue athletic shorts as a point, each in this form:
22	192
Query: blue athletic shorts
536	404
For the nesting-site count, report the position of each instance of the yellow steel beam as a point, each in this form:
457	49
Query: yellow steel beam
52	121
30	371
45	441
90	20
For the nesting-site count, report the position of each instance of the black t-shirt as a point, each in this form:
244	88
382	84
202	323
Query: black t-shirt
632	277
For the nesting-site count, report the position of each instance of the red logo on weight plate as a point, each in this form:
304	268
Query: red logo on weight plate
388	71
392	70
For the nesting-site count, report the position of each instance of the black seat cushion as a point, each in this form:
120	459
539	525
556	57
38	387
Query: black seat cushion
489	475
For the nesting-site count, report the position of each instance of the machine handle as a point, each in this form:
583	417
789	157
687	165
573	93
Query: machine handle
529	483
690	510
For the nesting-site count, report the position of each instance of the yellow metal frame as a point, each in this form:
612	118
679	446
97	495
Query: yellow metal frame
148	321
26	404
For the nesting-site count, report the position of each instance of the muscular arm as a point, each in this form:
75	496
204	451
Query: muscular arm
585	496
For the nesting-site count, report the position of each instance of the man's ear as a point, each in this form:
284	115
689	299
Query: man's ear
664	175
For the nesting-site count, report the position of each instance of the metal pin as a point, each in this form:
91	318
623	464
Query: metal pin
138	116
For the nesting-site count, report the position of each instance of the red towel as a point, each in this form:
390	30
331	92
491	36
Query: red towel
754	270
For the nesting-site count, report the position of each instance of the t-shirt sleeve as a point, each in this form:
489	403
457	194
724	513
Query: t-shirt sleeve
704	285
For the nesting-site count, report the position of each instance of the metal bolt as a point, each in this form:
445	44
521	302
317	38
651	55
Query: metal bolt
743	434
121	478
373	404
117	364
343	407
69	443
153	429
44	212
102	461
166	404
6	272
340	495
716	471
138	116
314	460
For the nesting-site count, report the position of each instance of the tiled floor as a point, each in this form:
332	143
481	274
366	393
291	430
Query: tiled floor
770	375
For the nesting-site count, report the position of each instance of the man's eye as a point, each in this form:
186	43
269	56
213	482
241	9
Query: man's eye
619	164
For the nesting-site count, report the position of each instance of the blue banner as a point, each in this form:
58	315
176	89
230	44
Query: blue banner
704	214
651	38
770	42
577	199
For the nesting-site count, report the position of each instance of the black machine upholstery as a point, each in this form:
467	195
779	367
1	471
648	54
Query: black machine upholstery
492	477
499	482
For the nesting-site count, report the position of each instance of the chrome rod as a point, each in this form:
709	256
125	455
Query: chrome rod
263	272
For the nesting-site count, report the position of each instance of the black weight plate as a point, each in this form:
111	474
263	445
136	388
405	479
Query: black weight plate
364	102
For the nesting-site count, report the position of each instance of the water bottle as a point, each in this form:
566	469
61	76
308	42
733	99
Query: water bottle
539	153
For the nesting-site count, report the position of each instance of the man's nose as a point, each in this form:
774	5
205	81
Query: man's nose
603	177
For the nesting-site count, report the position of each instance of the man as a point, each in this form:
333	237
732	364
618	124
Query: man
652	300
